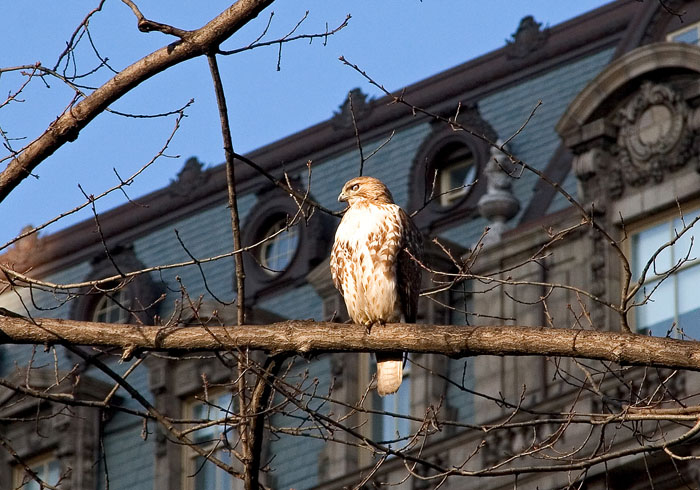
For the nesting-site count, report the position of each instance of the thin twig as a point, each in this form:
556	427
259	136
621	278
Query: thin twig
146	25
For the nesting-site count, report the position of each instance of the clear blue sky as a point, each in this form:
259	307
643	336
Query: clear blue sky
397	42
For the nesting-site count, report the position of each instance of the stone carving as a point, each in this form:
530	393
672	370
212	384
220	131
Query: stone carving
527	39
598	273
20	256
654	137
586	167
191	176
499	445
651	133
361	106
650	390
656	133
498	204
595	182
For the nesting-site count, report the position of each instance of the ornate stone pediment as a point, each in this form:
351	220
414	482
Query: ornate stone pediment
19	257
654	135
651	135
191	176
527	39
361	106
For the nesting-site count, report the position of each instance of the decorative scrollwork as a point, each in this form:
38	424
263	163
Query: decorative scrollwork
527	39
191	176
654	136
361	107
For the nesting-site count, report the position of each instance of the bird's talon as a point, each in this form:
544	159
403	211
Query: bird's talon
372	324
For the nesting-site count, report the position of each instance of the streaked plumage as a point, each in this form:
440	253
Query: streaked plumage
371	268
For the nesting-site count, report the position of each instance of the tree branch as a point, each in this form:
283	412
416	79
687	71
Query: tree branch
249	456
67	126
230	185
316	337
259	400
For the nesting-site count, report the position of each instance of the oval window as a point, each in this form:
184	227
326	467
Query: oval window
277	252
456	174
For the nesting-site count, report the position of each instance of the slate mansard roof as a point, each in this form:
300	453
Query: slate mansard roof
500	89
504	85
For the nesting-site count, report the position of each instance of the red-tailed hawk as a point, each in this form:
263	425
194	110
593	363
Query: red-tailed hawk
371	268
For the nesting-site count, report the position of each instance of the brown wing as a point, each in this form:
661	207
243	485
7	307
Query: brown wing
408	269
337	264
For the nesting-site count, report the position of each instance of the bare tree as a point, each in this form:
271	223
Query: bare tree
615	394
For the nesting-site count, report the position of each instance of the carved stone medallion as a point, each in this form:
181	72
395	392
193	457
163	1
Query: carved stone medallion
361	107
653	135
527	39
191	176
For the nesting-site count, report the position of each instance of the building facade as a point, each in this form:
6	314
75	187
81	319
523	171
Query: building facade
617	129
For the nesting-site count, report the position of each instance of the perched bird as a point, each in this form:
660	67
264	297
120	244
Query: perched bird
374	265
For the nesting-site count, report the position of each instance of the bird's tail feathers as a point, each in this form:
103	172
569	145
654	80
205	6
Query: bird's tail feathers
389	373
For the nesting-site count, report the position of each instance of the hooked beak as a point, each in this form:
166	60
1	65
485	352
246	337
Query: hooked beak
342	197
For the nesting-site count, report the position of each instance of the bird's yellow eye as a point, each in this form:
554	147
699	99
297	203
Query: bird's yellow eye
355	187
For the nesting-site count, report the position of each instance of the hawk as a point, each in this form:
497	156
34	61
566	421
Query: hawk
373	266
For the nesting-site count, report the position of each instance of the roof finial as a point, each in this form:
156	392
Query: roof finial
498	204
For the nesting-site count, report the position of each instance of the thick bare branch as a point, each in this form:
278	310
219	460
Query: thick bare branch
67	127
314	337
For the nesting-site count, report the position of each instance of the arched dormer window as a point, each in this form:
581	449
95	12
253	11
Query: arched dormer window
635	124
456	173
113	308
280	246
130	301
445	177
634	132
284	249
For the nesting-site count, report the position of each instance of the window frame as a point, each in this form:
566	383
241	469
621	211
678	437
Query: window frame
119	301
434	214
291	233
21	480
190	468
141	290
455	157
669	218
312	248
694	26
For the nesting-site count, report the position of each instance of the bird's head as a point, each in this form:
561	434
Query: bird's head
365	188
